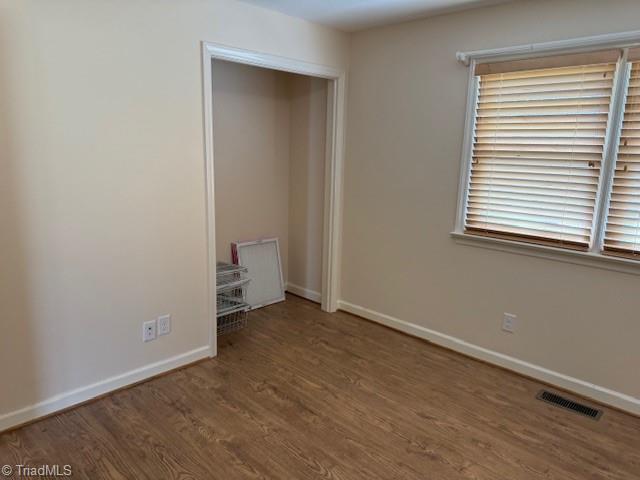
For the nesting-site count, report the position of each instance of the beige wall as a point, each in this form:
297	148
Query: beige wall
306	206
251	124
102	208
405	125
269	147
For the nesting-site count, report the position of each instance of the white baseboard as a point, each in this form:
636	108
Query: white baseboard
595	392
304	292
83	394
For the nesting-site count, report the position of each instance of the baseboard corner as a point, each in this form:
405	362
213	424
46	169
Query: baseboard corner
304	292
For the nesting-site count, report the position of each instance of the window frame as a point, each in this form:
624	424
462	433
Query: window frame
595	255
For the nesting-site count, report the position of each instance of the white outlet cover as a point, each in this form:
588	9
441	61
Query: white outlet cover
509	322
164	325
149	331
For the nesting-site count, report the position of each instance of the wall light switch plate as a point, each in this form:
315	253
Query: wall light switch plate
149	331
164	325
509	322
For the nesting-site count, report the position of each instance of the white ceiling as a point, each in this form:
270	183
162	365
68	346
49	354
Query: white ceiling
352	15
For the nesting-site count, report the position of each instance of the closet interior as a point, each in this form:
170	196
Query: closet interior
269	136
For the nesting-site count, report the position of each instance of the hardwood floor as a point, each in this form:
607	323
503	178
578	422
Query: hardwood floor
301	394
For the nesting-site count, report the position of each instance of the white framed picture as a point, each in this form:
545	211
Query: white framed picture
264	268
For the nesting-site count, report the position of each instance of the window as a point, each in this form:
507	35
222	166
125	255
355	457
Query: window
554	157
622	236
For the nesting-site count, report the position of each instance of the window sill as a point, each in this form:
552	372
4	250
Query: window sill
588	259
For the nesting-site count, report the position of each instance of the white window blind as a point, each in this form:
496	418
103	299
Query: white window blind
539	136
622	234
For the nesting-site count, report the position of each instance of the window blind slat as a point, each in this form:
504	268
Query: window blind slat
539	162
495	191
537	152
622	232
529	167
532	211
577	100
573	140
555	81
536	95
572	147
518	199
542	132
586	109
541	156
544	225
548	202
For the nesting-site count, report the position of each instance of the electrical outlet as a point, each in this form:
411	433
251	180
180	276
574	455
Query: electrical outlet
509	322
164	325
149	331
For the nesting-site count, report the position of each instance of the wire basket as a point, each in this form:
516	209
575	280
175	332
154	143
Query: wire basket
231	290
226	305
230	276
232	322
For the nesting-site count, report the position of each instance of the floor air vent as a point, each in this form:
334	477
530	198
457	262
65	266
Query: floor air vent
567	404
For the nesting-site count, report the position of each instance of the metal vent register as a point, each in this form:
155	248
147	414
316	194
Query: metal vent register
562	402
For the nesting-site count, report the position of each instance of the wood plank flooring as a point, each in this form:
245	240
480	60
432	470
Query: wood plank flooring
301	394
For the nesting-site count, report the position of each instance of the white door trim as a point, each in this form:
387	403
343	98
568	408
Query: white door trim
333	166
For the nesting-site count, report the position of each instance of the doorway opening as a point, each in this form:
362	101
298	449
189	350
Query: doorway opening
273	149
